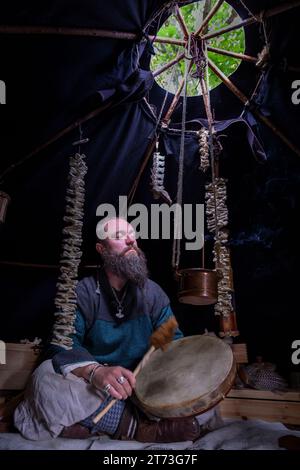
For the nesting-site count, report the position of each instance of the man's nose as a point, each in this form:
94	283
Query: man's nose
130	239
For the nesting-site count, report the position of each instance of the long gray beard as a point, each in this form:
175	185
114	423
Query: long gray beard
132	267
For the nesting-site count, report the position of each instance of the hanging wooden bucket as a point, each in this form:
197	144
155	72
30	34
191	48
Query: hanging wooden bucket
198	286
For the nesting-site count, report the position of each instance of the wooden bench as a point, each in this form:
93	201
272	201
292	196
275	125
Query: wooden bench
19	364
262	404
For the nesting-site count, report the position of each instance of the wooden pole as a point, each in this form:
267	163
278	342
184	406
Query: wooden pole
227	82
17	264
165	122
263	14
181	22
168	65
57	136
167	118
172	41
66	31
206	104
236	55
203	256
103	33
83	32
243	98
147	156
292	68
242	24
285	6
206	20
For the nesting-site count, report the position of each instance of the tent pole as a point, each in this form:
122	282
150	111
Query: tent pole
206	20
85	32
242	24
164	122
57	136
181	22
18	264
102	33
147	156
258	16
168	65
247	58
172	41
243	98
206	104
167	118
66	31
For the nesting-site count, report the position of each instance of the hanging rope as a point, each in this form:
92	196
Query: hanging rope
216	191
177	224
152	143
159	161
65	300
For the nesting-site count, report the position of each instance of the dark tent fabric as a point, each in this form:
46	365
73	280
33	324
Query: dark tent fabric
53	80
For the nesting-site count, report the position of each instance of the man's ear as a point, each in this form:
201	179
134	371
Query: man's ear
99	247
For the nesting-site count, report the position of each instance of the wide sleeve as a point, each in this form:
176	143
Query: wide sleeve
78	354
161	309
164	315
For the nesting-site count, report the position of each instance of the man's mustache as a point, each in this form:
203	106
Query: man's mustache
137	250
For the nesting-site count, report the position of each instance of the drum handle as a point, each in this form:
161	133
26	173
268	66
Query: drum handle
135	373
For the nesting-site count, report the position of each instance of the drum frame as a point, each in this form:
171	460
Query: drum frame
195	406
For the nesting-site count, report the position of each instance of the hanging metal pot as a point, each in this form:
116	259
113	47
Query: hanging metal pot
198	286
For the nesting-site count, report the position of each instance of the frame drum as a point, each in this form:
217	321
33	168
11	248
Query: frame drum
190	377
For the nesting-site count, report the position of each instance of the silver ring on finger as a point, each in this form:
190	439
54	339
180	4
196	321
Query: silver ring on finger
105	390
121	380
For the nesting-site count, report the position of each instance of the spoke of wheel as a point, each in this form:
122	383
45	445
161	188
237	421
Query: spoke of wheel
168	65
236	55
177	42
227	82
243	98
167	118
242	24
206	20
181	22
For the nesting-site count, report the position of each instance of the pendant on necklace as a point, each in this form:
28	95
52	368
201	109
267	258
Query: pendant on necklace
119	313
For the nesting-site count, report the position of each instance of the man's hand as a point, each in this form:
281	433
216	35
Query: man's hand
121	380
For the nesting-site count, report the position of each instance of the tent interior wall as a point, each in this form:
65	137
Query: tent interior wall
53	80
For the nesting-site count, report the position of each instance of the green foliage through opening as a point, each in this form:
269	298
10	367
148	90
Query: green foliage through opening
193	15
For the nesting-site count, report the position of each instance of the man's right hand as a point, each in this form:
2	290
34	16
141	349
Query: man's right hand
121	380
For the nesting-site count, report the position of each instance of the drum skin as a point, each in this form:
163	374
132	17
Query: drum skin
187	379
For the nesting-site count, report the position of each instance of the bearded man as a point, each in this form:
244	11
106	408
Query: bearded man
118	310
